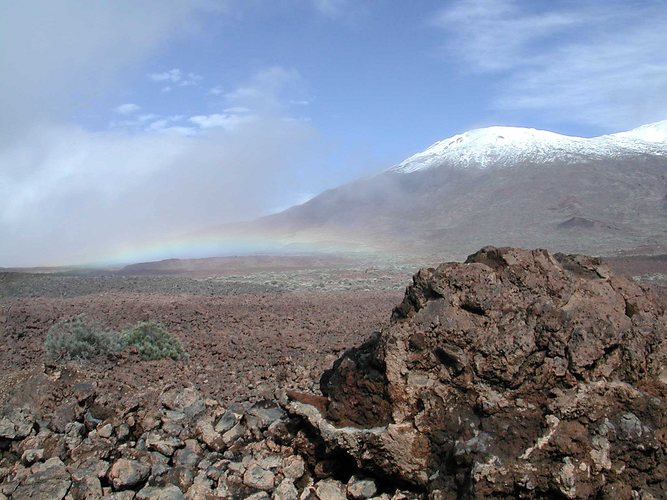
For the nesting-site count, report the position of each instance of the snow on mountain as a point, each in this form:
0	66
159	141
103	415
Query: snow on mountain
506	146
653	132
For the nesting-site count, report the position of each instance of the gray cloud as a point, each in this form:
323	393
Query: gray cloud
600	63
56	56
128	108
70	195
76	196
268	90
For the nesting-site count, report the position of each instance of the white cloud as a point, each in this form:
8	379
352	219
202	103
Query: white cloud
167	126
173	75
127	109
217	120
57	55
176	78
147	117
217	90
268	90
601	63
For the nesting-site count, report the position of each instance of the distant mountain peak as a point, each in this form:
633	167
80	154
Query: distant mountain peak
500	146
651	132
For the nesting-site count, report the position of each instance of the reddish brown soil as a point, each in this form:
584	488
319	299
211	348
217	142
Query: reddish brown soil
244	337
239	346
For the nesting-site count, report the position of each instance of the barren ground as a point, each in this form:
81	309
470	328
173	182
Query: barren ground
246	329
245	332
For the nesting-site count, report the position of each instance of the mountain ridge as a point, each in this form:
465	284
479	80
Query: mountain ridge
584	200
502	146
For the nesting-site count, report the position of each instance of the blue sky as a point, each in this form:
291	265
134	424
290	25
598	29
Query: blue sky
129	121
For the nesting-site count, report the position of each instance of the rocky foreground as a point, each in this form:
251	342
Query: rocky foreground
516	374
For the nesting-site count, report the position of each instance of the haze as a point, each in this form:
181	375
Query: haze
126	123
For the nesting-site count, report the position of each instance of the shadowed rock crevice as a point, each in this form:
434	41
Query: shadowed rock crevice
356	388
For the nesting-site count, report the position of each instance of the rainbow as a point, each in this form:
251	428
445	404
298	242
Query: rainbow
217	245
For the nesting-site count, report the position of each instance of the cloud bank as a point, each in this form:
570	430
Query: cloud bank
76	196
600	63
70	195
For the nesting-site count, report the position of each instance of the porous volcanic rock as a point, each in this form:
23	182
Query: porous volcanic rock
515	374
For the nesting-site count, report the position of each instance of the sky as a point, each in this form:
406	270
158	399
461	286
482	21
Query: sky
126	123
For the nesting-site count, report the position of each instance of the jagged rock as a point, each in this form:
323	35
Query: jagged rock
181	476
99	448
65	414
165	445
86	487
90	421
105	431
258	477
159	473
169	492
46	480
233	434
330	489
126	473
201	488
515	373
7	428
84	392
86	477
119	495
294	467
189	455
150	422
358	488
286	491
9	486
188	400
73	434
260	495
36	442
174	422
32	455
16	425
207	433
262	414
54	446
229	418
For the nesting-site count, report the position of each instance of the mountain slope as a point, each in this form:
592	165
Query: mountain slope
501	186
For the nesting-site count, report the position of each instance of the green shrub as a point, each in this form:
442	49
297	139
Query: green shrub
80	338
153	341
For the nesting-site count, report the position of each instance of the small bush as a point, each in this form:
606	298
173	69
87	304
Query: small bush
80	338
153	341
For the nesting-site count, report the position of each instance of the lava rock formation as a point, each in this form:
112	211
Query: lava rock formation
515	374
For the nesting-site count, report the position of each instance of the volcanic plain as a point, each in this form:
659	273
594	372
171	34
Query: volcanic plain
247	324
250	326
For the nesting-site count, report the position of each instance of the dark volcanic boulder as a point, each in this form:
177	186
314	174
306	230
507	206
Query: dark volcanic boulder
516	373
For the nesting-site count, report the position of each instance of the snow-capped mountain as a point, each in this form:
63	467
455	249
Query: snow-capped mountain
507	146
653	132
499	186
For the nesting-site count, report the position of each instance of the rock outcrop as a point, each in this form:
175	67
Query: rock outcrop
516	373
